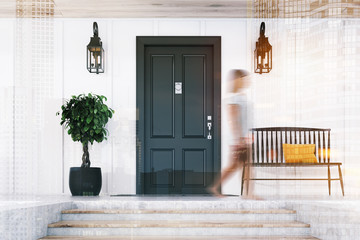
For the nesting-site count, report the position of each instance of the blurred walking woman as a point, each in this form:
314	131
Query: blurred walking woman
239	113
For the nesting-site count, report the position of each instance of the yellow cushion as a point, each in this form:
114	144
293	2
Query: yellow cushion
299	153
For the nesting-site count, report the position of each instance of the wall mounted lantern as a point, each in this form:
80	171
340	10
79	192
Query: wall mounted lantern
263	53
95	53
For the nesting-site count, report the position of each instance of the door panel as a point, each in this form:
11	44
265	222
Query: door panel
194	167
177	157
162	167
162	98
194	95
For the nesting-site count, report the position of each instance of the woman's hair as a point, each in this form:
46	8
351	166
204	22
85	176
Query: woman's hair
237	73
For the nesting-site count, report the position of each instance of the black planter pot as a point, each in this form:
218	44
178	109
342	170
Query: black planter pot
85	181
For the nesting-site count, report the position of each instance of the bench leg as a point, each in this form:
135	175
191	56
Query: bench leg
242	180
248	179
329	179
341	180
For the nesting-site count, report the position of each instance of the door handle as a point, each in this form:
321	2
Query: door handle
209	125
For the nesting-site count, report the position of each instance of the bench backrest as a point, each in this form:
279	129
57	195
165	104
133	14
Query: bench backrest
267	144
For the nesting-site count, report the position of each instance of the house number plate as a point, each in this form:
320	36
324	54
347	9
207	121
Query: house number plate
178	88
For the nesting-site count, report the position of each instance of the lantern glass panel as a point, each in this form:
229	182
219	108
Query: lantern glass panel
95	58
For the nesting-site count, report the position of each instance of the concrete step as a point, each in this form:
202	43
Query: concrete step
181	211
178	238
179	228
171	214
182	203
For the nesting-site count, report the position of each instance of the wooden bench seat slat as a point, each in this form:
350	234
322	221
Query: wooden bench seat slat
281	149
257	146
314	140
304	137
252	146
262	147
328	152
319	147
324	147
271	147
266	152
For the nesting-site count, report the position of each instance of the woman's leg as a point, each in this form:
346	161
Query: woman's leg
225	174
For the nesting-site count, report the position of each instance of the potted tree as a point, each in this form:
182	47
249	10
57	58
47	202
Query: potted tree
85	117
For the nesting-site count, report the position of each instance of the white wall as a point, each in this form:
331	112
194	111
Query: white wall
46	153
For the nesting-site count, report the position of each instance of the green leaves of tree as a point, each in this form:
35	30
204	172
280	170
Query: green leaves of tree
89	119
86	117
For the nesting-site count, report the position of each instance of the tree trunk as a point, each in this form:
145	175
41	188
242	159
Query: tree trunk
85	157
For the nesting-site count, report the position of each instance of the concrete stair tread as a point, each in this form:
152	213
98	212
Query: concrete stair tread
177	224
179	237
180	211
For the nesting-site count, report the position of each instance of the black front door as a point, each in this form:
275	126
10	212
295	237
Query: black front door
178	125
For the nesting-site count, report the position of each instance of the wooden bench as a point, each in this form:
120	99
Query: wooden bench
267	151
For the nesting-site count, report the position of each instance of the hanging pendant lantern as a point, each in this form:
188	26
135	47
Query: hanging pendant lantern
95	53
262	53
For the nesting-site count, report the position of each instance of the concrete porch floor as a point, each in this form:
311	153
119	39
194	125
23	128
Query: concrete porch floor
8	202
